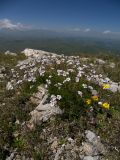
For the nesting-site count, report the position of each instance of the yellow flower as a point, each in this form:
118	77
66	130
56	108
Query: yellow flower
106	105
88	101
106	86
95	98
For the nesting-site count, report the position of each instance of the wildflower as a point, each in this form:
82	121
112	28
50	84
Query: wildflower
80	93
79	74
66	80
84	85
64	74
59	97
91	109
70	70
53	97
59	84
77	79
106	86
88	78
90	87
107	79
80	68
59	72
52	104
88	101
46	86
106	105
48	81
95	98
91	64
100	103
100	75
84	66
58	61
41	72
50	76
93	71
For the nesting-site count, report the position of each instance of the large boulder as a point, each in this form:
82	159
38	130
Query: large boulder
36	53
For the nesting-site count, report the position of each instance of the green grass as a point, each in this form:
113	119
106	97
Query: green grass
72	123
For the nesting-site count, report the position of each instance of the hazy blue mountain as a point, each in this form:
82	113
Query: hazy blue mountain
59	41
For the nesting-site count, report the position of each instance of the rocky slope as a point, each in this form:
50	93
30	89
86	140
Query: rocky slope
59	107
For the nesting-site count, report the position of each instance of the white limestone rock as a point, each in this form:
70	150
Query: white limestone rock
44	110
37	97
91	158
10	53
88	149
93	139
9	86
11	157
90	136
114	87
35	53
100	61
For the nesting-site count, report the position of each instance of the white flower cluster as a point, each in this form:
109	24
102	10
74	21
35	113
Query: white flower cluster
58	85
54	99
41	71
40	62
84	85
48	81
67	80
62	73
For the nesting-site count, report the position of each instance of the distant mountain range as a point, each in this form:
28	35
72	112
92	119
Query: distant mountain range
45	33
68	41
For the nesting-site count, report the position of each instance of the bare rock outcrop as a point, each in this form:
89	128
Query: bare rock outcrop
45	110
35	53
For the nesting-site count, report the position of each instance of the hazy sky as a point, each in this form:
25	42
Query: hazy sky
101	15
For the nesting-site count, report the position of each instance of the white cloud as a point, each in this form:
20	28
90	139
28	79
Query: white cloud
87	30
79	29
8	24
107	32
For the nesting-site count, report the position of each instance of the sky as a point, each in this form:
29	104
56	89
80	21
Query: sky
87	15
